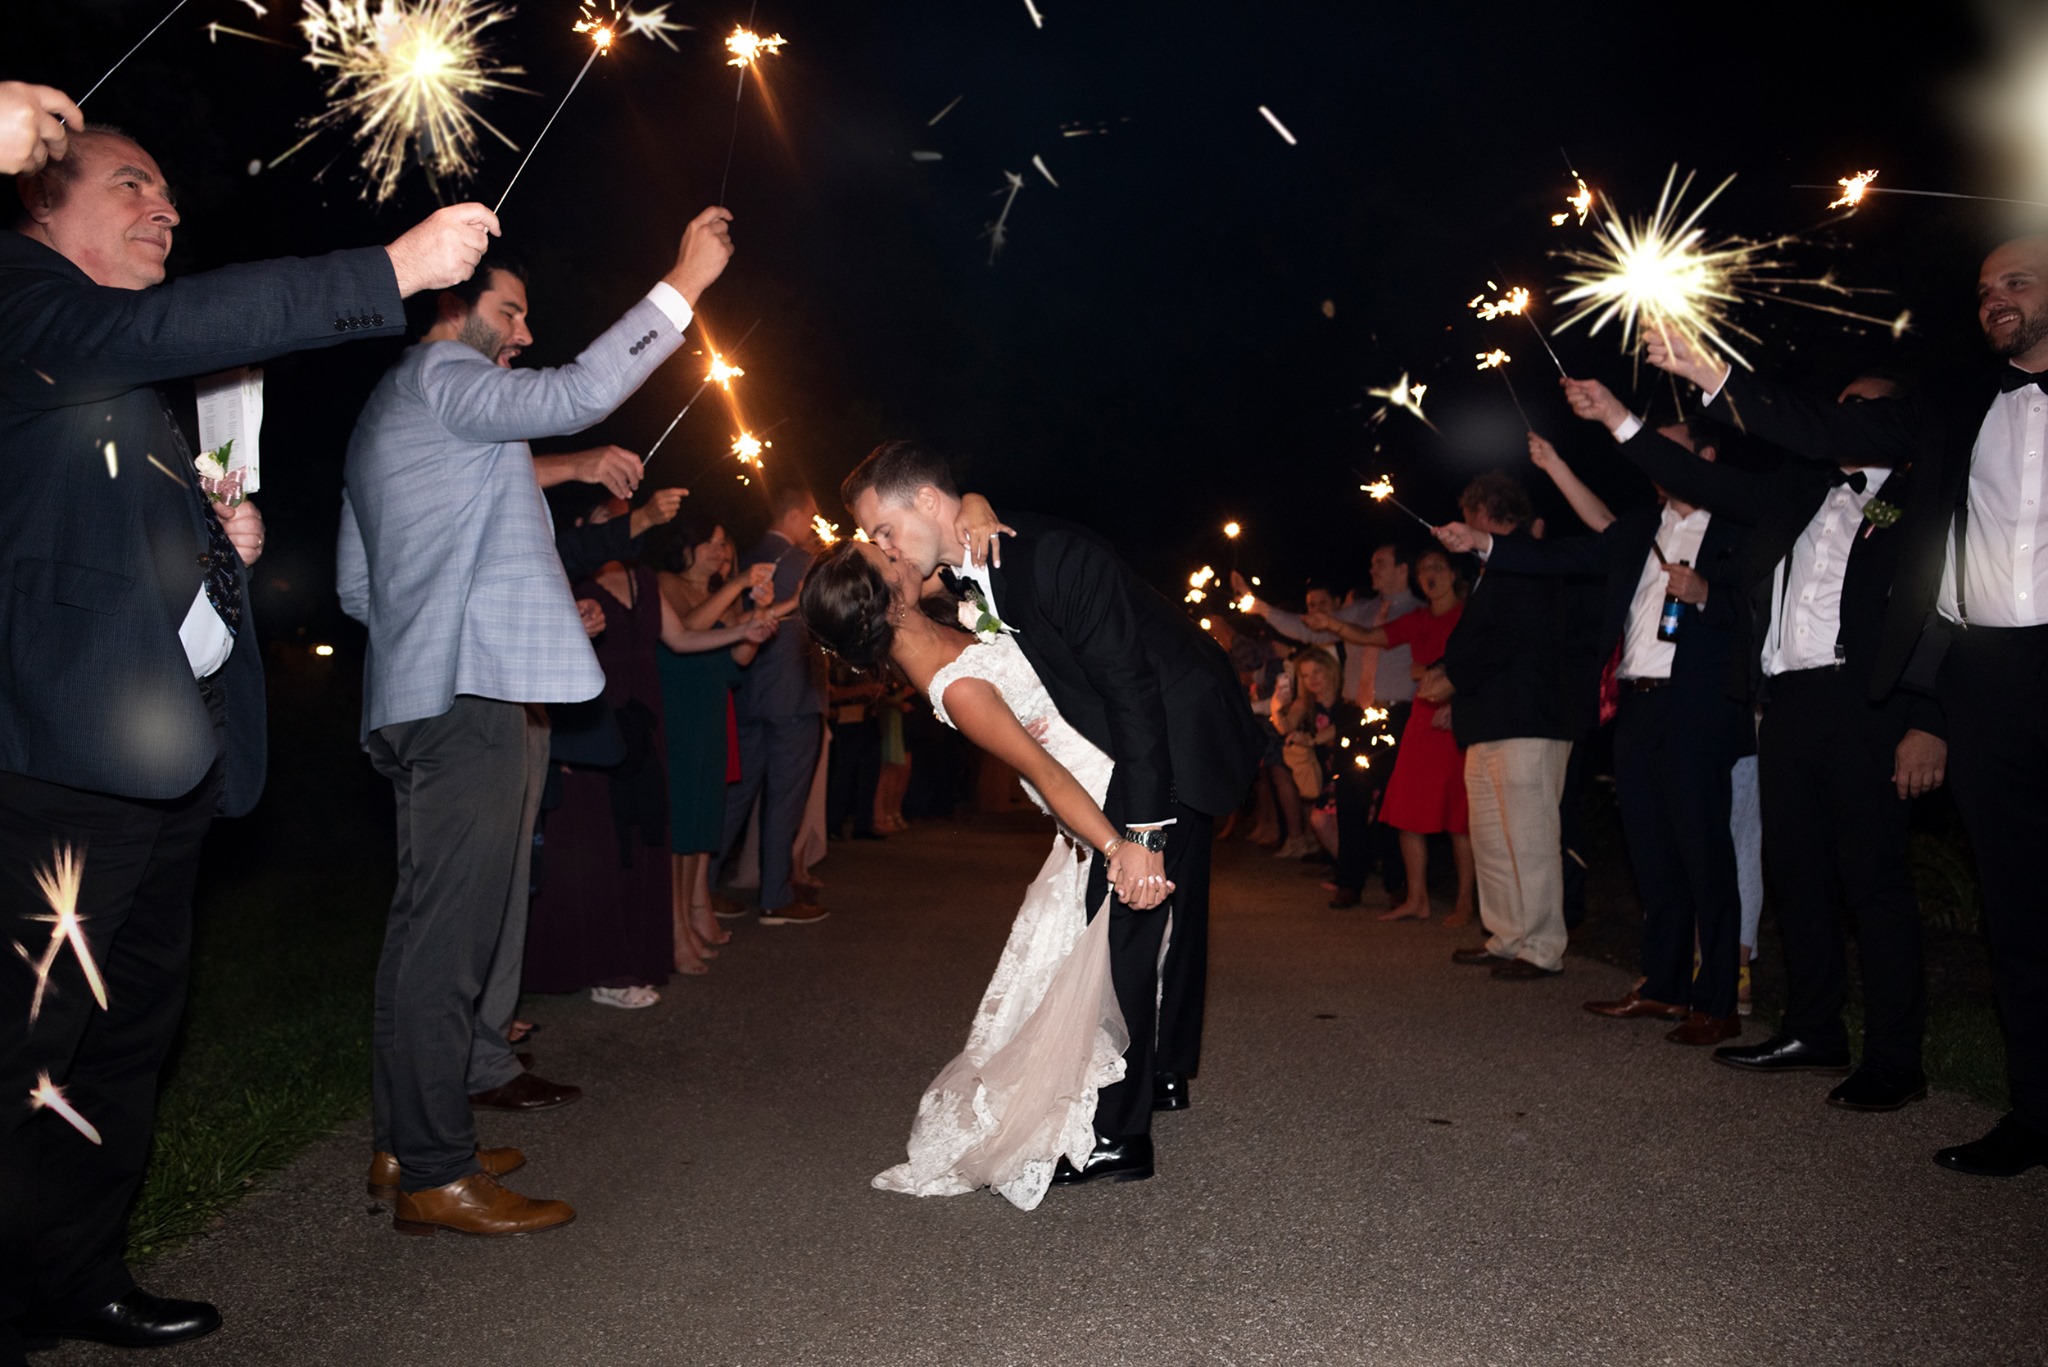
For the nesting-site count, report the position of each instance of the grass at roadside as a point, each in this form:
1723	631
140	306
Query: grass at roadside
276	1044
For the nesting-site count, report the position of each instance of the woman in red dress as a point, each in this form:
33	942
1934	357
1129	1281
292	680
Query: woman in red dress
1426	794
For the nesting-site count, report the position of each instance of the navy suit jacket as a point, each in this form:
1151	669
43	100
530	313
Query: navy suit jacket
787	678
101	530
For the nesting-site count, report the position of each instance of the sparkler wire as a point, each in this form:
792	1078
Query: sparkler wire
739	90
535	146
131	52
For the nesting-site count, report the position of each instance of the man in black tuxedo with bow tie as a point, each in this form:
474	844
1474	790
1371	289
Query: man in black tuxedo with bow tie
1836	768
1129	671
1965	620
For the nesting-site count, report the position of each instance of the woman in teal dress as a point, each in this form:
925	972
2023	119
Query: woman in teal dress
696	698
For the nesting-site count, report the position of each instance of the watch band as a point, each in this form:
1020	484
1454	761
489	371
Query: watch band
1153	840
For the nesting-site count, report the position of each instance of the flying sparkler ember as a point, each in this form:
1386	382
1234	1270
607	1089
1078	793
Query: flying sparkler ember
1198	584
1852	190
747	48
1581	204
1663	273
402	76
59	884
1382	491
1279	127
48	1093
1402	394
998	232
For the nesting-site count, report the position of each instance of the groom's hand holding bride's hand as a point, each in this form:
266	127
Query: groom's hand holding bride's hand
1138	876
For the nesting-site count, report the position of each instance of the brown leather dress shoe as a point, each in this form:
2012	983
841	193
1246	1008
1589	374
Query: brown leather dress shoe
1701	1028
1637	1007
527	1092
477	1205
383	1183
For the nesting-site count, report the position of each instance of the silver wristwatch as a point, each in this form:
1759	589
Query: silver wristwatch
1153	840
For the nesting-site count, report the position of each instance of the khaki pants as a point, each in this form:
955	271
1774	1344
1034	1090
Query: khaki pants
1512	788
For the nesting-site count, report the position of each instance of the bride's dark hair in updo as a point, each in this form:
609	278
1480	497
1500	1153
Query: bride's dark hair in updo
845	602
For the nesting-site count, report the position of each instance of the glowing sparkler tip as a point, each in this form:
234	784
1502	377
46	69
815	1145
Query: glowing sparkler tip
1232	530
1492	360
747	47
827	532
1853	188
1381	489
1581	203
49	1094
747	448
1515	302
722	372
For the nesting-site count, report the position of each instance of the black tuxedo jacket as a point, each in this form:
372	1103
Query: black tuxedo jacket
1520	669
1706	644
101	531
1780	504
1932	430
1129	671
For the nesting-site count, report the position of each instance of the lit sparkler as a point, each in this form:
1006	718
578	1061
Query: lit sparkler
747	448
1382	491
723	372
1663	273
747	48
827	532
1497	360
402	76
1852	189
1405	395
59	884
1232	530
1581	204
1245	603
1514	303
48	1093
1493	360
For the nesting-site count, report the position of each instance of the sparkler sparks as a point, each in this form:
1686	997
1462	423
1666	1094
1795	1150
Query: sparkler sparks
1382	491
1493	360
998	232
1852	189
1232	530
827	532
403	77
1581	204
59	884
722	372
747	449
1515	302
1039	162
1279	127
1663	273
747	47
48	1093
1405	395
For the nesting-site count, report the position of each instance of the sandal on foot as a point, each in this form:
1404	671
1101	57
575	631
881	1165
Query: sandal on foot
627	998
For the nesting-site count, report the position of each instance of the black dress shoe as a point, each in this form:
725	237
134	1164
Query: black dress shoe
1169	1091
1115	1160
1783	1054
1477	954
2009	1150
1521	970
137	1320
1867	1089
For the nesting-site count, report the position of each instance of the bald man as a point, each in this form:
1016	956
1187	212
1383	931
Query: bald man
1967	620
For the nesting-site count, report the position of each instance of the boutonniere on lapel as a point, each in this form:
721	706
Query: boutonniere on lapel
978	617
1878	513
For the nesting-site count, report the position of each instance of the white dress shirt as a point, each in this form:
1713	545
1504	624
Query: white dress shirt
2005	577
1806	587
1643	656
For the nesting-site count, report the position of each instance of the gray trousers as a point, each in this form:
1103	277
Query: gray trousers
491	1060
778	759
460	782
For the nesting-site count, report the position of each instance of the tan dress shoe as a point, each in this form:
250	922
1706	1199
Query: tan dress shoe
1701	1028
476	1205
383	1182
1637	1007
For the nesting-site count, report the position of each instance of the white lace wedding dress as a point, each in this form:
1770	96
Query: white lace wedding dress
1048	1034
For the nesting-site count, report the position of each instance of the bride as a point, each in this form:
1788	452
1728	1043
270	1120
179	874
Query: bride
1048	1034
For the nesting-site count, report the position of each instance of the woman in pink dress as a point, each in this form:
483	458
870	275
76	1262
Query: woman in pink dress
1426	795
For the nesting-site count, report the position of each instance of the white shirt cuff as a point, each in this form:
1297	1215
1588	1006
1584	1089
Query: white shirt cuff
1707	399
670	301
1627	427
1150	825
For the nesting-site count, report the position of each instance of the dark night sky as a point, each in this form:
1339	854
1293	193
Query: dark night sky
1149	355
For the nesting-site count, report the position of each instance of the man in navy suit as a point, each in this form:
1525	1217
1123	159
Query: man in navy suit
131	688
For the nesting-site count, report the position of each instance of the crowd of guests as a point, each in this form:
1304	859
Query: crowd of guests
593	716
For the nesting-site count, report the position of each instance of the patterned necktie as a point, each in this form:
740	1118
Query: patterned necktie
223	566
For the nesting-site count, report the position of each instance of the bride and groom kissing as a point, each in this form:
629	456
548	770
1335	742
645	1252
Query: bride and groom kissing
1126	724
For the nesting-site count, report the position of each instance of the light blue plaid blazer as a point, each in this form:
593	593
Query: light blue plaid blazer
447	553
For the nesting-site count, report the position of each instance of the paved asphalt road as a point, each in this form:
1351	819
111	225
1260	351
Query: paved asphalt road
1389	1160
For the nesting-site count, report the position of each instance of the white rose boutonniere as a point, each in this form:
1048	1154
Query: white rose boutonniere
220	484
977	617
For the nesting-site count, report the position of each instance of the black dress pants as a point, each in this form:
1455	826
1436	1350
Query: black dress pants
1835	843
1162	1004
1672	753
1992	686
853	770
64	1200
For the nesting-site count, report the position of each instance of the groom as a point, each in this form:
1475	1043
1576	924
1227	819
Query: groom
1146	686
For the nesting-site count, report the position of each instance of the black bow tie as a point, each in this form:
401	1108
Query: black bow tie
950	580
2012	378
1853	478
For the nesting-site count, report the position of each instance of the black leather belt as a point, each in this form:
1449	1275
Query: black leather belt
1643	685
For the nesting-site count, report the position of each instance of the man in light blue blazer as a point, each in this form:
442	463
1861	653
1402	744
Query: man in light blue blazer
447	555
